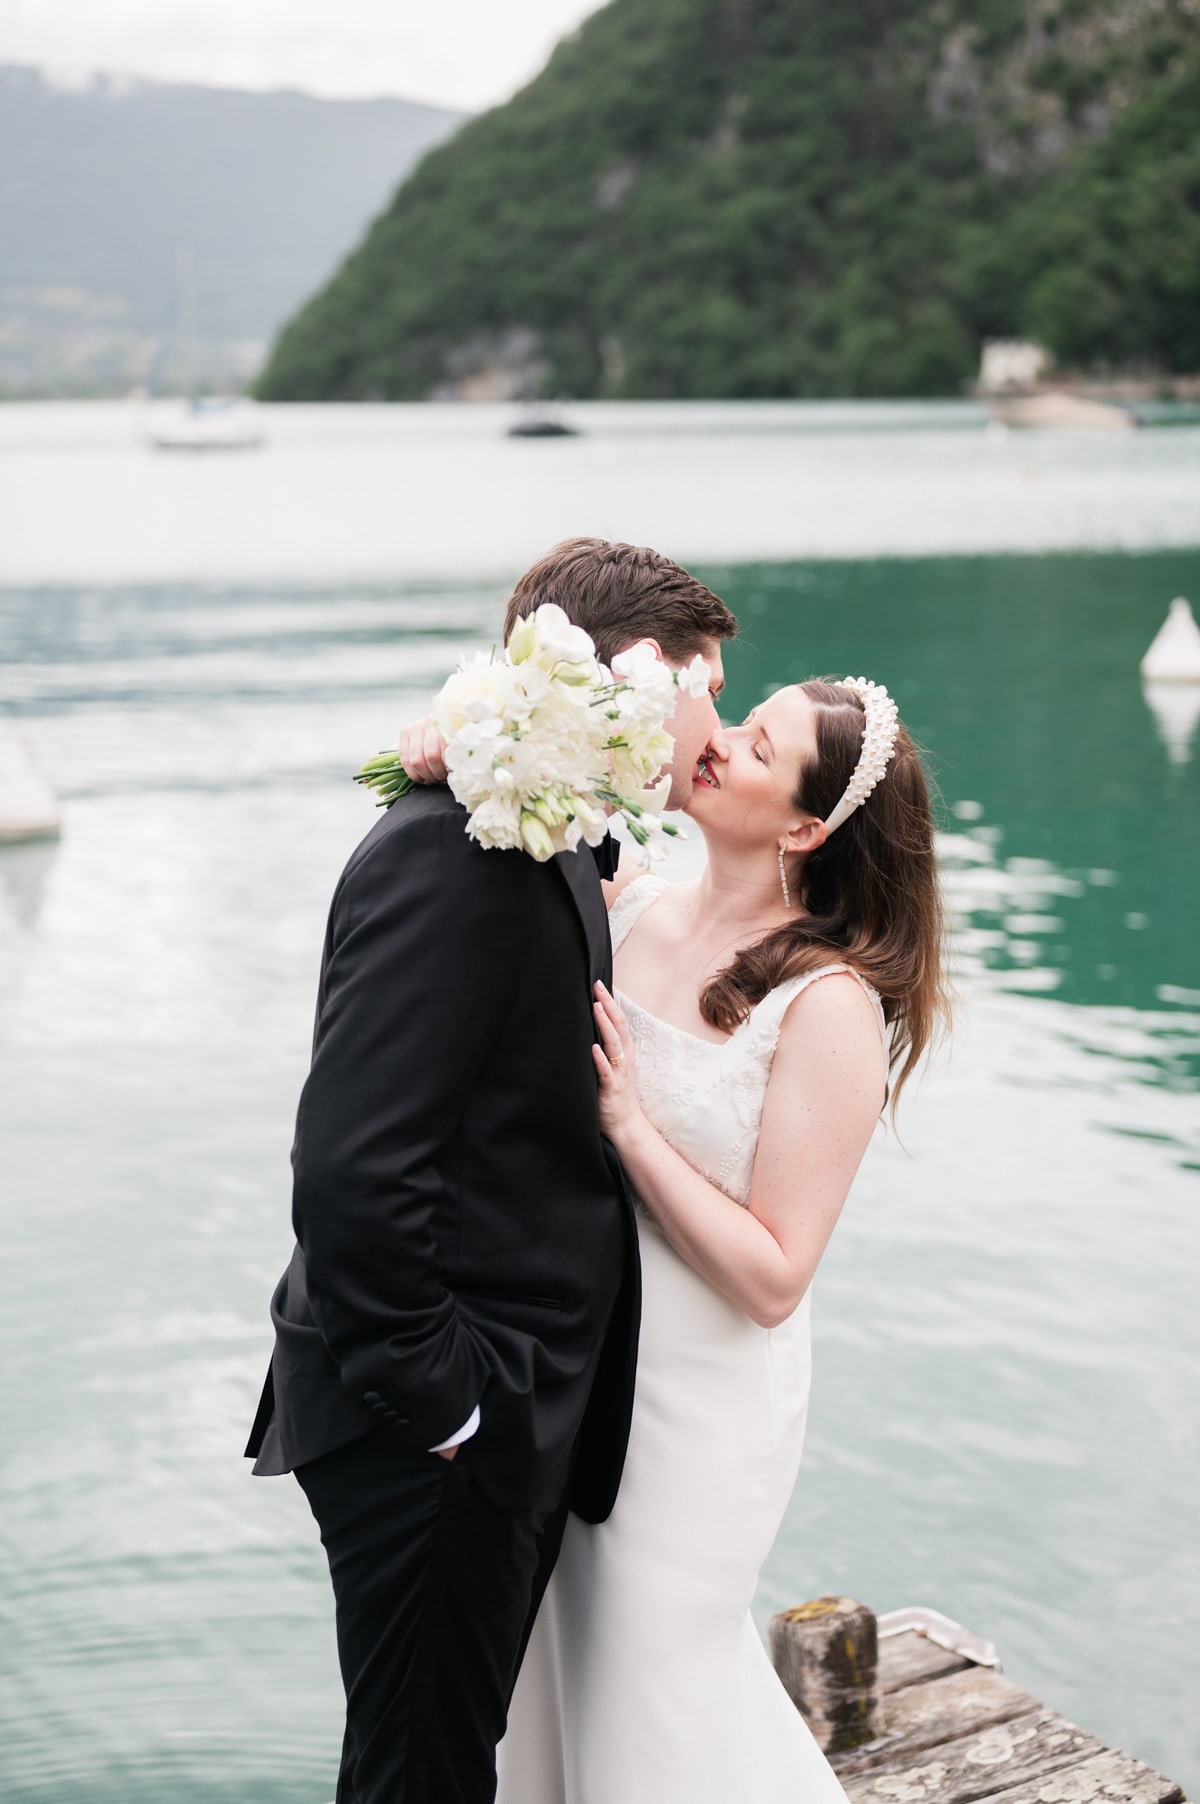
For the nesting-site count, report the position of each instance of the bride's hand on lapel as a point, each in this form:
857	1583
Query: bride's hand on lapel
422	751
616	1069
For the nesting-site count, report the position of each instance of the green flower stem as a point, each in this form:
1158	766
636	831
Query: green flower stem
386	776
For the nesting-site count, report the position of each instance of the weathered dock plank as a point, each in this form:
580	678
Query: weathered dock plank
947	1729
911	1659
992	1759
1111	1777
919	1717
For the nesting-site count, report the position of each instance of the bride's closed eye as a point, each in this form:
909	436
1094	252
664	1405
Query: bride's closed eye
749	721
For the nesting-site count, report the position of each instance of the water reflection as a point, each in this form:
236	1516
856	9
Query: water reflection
1176	710
24	874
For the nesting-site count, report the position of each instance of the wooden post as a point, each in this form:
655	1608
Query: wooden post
827	1654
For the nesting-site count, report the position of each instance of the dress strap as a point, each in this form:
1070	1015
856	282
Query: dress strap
774	1005
632	903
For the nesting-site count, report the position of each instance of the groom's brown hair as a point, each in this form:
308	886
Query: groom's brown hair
621	593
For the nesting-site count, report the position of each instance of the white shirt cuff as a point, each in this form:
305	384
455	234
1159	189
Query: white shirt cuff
464	1434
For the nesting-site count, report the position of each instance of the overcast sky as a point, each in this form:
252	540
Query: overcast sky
458	53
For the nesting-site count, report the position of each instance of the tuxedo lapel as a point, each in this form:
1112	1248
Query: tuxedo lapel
581	877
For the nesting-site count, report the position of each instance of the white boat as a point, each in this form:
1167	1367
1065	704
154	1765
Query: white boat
219	423
1060	408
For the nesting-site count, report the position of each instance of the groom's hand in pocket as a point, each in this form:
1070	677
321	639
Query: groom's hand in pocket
449	1447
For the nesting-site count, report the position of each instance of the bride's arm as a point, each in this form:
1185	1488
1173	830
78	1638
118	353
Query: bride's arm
823	1101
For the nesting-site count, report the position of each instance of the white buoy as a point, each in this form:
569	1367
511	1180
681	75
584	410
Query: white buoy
28	807
1174	654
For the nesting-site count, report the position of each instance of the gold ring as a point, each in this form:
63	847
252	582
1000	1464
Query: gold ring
619	1060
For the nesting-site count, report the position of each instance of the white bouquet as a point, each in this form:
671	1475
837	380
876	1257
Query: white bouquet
543	742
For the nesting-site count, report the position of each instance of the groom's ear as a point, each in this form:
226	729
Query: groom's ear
655	647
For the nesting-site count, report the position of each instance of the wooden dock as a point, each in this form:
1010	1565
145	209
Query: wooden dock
941	1727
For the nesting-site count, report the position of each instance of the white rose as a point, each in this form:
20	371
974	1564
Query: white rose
496	822
476	735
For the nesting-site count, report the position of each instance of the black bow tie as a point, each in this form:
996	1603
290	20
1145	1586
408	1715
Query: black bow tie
607	855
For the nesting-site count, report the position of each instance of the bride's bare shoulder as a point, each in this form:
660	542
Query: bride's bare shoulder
836	1022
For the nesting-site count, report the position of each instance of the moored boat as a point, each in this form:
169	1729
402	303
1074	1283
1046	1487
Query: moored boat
1057	407
218	423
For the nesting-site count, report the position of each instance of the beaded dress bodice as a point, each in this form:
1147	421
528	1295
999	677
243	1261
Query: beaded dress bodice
706	1097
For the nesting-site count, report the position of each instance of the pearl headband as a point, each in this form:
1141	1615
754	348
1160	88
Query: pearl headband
878	743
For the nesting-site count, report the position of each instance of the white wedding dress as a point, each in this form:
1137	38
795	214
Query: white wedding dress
646	1681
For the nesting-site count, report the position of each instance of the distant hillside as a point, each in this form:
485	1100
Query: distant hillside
154	232
790	197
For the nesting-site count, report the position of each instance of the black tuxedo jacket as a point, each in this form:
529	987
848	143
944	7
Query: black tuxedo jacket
464	1235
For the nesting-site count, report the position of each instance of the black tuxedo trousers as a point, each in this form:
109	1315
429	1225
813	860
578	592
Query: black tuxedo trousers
435	1587
463	1238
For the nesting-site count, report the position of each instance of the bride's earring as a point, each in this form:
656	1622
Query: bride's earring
787	899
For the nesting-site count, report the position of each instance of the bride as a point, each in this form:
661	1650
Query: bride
743	1061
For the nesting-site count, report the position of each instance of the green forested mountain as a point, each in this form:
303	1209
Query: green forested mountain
790	197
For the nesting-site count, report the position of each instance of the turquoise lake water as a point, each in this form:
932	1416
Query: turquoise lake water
1004	1420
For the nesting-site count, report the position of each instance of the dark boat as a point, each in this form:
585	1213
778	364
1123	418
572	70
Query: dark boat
542	423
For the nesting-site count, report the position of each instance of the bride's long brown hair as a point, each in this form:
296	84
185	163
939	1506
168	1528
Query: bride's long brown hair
870	894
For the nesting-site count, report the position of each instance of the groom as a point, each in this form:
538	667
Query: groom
456	1333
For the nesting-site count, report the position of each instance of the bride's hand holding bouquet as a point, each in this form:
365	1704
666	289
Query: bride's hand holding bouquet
542	743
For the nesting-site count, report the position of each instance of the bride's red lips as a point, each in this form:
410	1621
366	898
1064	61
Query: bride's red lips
705	773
